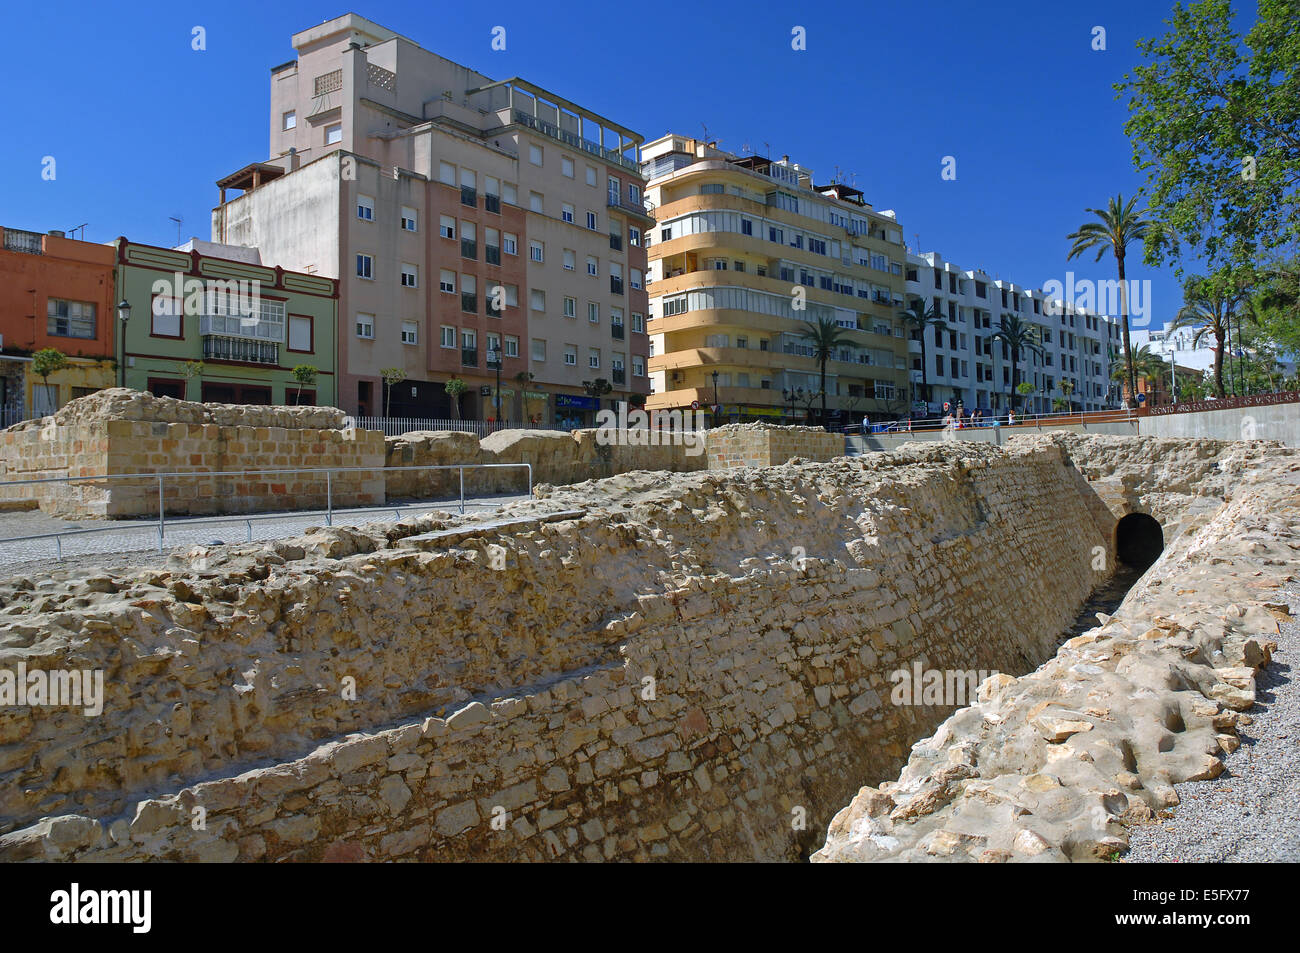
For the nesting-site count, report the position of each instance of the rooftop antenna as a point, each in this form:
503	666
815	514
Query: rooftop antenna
706	133
177	219
81	227
768	146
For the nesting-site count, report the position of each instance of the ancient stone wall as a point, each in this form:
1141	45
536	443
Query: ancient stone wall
121	431
1055	766
762	445
692	666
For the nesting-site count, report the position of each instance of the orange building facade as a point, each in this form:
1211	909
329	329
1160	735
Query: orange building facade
55	292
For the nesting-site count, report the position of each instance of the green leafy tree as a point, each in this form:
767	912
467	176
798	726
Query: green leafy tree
47	361
1067	388
918	318
522	405
1275	306
305	375
1214	121
454	388
825	336
1019	336
1117	227
391	376
191	370
597	389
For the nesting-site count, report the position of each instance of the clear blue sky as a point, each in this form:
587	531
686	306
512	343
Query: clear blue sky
141	126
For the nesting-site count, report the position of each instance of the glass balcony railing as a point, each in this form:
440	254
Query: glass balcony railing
241	350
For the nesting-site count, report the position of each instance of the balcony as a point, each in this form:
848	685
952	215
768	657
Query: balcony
218	347
619	375
616	331
469	357
619	204
493	254
492	203
469	302
616	285
468	196
469	249
616	242
574	140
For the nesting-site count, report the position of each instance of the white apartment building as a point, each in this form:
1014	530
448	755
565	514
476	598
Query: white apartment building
965	363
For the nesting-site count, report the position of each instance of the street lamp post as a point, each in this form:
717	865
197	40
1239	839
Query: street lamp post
124	315
716	405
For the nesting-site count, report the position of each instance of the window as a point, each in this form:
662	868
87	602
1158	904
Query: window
469	338
410	332
537	299
492	194
638	365
512	296
593	358
593	312
593	268
447	281
570	259
746	227
566	167
566	212
410	276
634	194
591	221
634	236
365	208
165	311
468	188
512	346
539	349
570	307
636	279
448	336
365	266
509	193
591	175
711	188
535	154
300	332
535	201
468	241
615	191
409	220
334	133
468	294
570	355
492	244
536	251
446	173
446	226
289	120
638	322
677	305
366	326
510	243
75	319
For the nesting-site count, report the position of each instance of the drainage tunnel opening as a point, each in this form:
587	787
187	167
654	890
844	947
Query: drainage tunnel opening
1139	541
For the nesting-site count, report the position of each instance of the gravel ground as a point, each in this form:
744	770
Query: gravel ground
1251	812
132	544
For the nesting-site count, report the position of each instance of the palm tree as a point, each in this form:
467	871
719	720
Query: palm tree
1146	365
1018	336
826	337
1210	307
1118	226
918	318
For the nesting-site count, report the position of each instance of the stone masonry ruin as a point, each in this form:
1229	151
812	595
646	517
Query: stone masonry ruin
655	665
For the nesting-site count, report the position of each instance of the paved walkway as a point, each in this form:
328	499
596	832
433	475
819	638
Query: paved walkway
1251	812
139	538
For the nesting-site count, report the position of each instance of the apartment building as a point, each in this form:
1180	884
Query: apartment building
464	218
212	323
55	292
747	253
965	363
